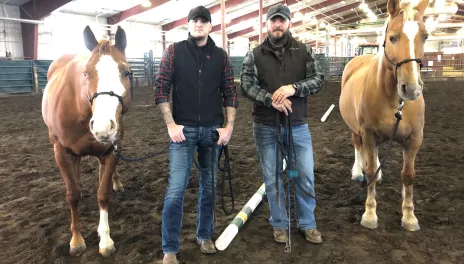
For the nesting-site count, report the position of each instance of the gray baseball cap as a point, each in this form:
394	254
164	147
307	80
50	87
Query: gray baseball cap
278	10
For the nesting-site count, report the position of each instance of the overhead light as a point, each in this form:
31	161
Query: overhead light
146	3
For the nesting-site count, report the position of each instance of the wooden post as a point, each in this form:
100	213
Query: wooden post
36	81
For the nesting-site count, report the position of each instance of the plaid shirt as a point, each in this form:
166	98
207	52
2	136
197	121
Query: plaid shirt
250	85
163	80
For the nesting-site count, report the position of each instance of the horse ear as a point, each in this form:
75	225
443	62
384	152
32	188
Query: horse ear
120	39
393	7
423	4
89	38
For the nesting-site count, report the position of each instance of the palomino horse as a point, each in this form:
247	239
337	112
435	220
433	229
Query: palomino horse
83	106
374	87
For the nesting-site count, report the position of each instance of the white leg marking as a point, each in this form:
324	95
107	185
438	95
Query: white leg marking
369	218
104	231
379	176
409	220
356	171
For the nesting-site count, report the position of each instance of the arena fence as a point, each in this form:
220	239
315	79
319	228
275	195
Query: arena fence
26	76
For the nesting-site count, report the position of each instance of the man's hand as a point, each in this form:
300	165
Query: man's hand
283	93
176	133
285	107
224	135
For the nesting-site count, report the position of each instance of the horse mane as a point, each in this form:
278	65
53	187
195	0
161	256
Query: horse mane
104	47
408	10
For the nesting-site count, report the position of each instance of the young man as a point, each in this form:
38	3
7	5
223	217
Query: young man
278	75
203	85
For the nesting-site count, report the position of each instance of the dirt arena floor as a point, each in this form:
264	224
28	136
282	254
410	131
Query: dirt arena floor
35	217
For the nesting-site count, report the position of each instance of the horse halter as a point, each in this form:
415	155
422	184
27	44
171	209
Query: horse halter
111	93
397	65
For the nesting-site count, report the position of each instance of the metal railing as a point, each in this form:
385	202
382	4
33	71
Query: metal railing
19	76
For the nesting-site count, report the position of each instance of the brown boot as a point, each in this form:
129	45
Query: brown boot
170	259
280	236
313	236
207	246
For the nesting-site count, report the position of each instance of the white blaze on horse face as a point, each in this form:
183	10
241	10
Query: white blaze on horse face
103	123
411	28
104	231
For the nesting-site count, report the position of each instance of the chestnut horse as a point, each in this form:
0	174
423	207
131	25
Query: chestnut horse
83	107
373	87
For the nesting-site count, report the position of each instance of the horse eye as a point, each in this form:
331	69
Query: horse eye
426	37
392	39
85	74
126	73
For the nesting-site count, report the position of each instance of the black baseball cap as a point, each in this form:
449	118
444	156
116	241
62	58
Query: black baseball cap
199	11
278	10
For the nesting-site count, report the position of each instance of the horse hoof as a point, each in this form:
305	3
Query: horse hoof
370	223
118	187
77	250
358	178
106	252
413	226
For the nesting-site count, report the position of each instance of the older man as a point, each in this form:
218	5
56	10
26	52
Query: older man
278	75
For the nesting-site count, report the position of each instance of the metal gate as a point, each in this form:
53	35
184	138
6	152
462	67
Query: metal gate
16	76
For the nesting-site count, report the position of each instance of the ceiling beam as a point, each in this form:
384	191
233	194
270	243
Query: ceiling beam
318	17
35	10
246	17
354	18
38	9
214	9
316	6
138	9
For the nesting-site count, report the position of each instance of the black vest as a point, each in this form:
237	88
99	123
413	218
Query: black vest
197	79
274	72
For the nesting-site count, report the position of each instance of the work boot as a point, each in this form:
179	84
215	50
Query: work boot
206	246
170	259
280	236
313	236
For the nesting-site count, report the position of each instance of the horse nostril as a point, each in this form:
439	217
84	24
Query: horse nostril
91	124
403	88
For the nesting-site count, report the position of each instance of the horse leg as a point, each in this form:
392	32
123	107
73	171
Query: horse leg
117	185
410	148
357	170
369	218
108	165
69	164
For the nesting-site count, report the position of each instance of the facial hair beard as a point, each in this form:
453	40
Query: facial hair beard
279	42
200	38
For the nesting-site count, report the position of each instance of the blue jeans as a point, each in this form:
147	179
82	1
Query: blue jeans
305	203
180	162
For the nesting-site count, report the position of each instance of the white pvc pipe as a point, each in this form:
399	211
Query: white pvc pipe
327	113
232	229
22	20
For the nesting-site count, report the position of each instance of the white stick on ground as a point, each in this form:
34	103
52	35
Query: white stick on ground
324	117
232	230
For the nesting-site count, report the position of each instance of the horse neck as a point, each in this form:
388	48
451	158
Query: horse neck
386	81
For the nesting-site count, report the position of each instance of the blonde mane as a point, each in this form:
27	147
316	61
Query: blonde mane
408	10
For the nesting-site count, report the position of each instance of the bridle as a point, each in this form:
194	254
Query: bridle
397	65
111	93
